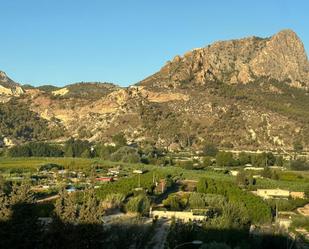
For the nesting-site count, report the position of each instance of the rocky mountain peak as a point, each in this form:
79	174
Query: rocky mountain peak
8	87
281	57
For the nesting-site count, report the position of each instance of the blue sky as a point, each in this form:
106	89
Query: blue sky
64	41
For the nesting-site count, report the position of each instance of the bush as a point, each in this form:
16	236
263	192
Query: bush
36	149
113	200
258	211
207	161
51	166
299	165
210	150
139	204
126	154
225	159
175	202
75	148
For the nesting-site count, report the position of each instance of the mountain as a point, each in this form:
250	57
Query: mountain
281	57
8	87
249	93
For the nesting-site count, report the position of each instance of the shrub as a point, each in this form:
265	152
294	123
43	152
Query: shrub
225	159
210	150
139	204
126	154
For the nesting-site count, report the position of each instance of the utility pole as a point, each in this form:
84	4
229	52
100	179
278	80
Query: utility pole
276	210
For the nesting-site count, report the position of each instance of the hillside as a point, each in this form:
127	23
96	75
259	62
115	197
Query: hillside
250	93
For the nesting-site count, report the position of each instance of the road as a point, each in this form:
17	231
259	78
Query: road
304	210
160	234
50	198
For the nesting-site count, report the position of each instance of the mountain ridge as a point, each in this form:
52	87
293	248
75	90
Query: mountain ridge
249	93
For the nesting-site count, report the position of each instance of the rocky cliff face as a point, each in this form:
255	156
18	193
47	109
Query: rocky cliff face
8	87
281	57
250	93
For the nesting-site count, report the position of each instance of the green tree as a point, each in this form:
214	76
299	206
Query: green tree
307	192
241	179
207	161
297	146
91	211
225	159
197	200
267	173
202	185
113	200
210	150
279	161
139	204
119	139
126	154
244	158
66	207
5	210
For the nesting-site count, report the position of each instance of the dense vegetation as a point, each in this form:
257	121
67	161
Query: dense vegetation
75	224
257	210
17	121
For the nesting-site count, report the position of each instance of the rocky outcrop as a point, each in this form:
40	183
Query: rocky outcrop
8	87
281	57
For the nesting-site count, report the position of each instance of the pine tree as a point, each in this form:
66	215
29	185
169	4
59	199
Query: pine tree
5	211
91	211
21	194
66	207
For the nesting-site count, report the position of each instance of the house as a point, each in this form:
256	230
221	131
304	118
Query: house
104	179
234	172
160	186
254	168
297	195
279	193
113	171
184	216
138	171
272	193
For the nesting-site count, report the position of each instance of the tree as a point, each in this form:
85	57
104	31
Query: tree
307	192
297	146
207	161
139	204
299	165
244	158
197	200
91	211
279	161
5	211
259	160
105	151
113	200
202	185
86	154
267	173
66	207
119	139
271	159
225	159
126	154
241	178
210	150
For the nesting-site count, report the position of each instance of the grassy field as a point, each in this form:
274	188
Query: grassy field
33	163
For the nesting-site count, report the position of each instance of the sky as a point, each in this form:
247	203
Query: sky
65	41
